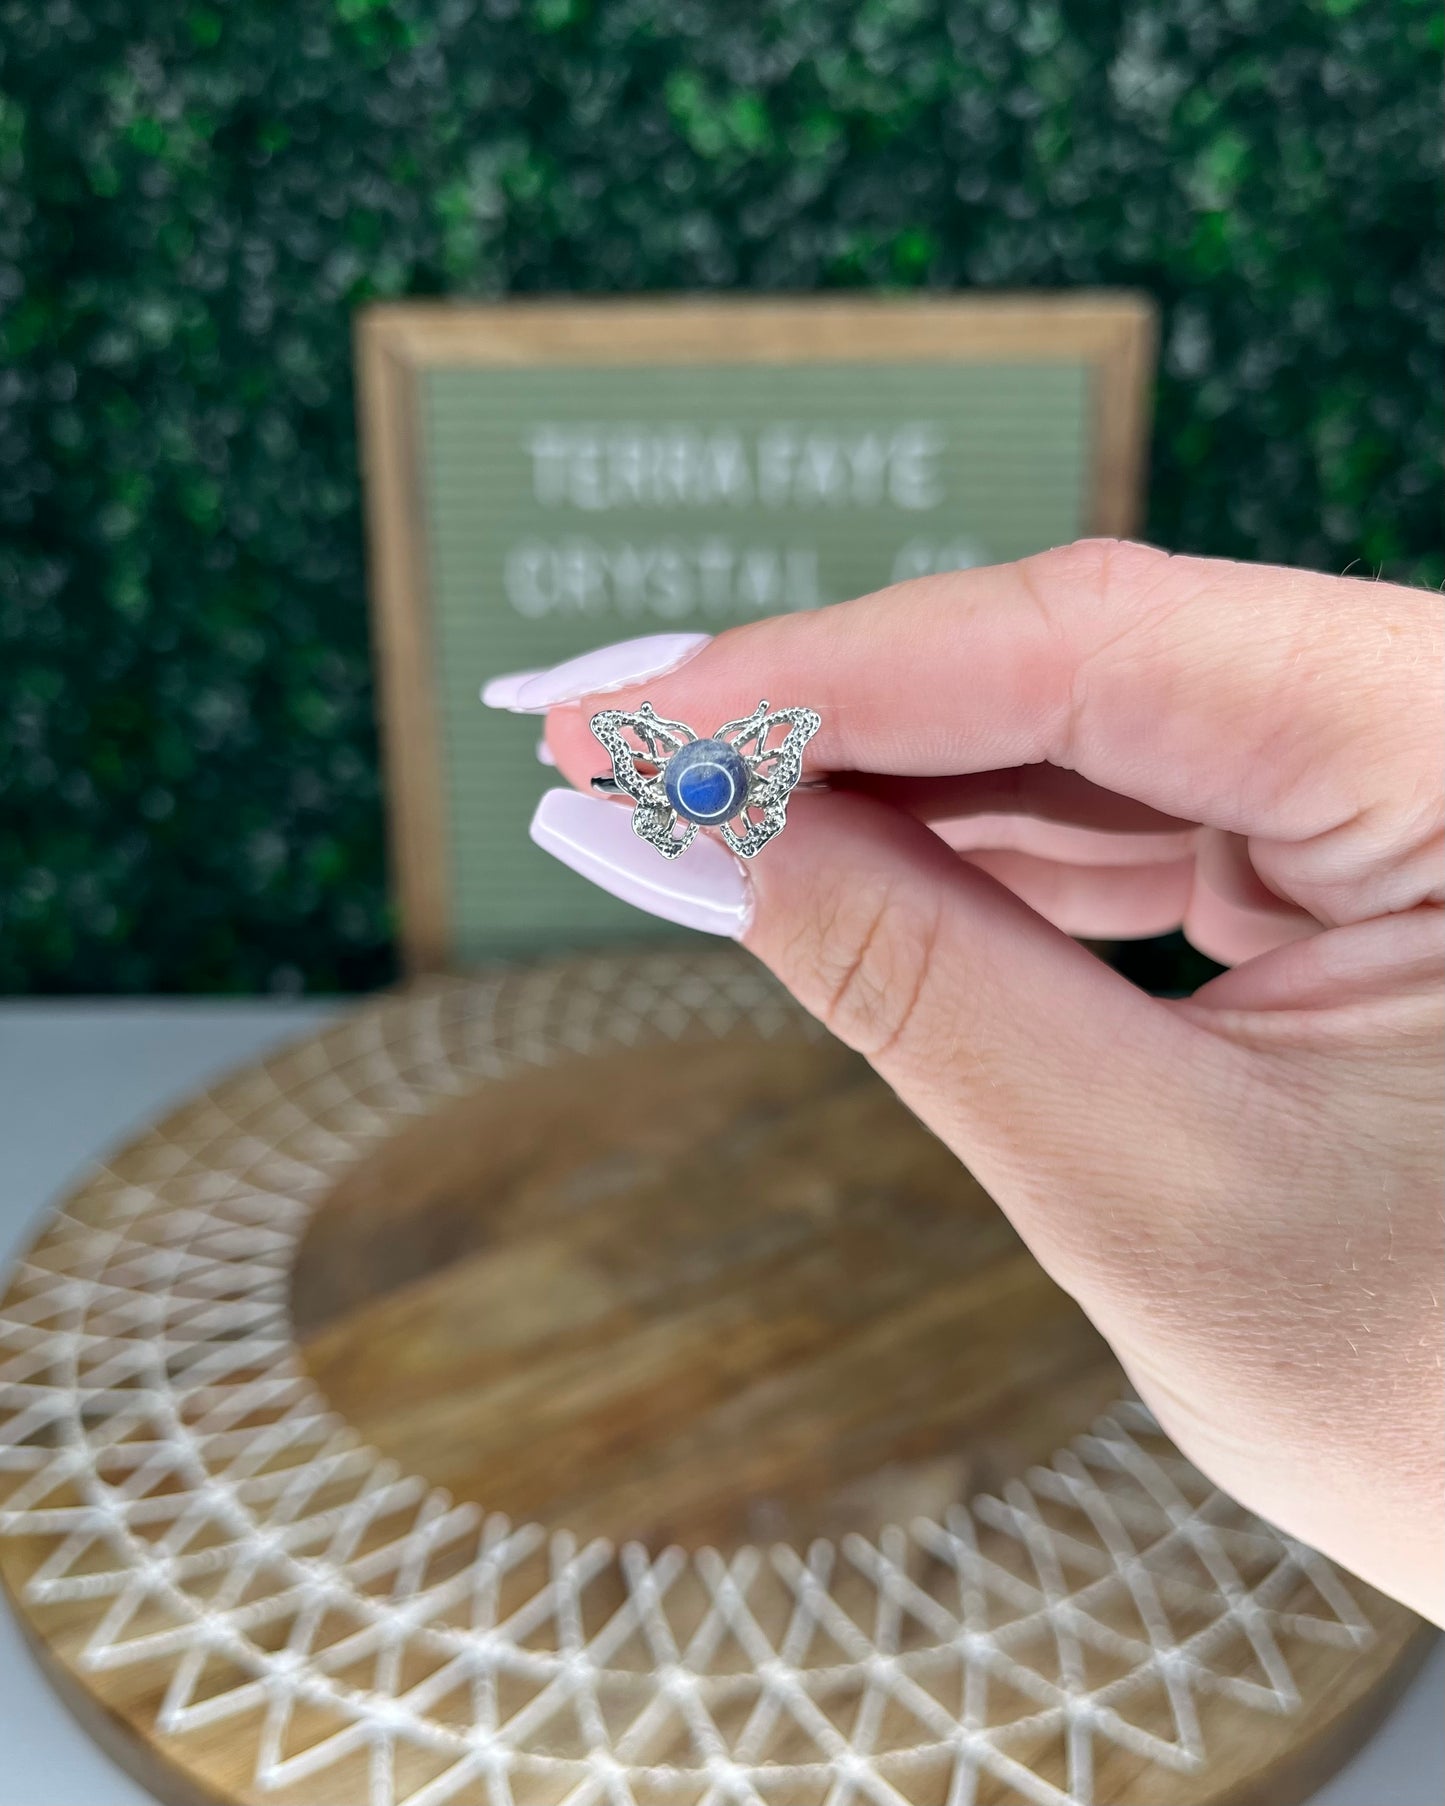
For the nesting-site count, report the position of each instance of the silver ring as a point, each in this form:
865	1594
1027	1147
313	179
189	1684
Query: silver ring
679	781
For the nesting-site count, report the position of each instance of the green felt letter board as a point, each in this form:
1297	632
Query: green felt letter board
546	479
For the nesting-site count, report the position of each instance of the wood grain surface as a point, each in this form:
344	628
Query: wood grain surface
627	1251
763	1303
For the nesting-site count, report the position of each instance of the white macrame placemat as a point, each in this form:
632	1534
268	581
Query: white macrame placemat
210	1519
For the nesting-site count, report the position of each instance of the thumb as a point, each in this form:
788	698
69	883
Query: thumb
1064	1089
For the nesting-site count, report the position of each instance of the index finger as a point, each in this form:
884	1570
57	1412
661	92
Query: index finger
1256	699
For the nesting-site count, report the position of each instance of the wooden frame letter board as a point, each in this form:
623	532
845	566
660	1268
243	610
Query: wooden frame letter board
545	477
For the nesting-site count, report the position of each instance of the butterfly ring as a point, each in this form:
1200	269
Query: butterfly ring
680	781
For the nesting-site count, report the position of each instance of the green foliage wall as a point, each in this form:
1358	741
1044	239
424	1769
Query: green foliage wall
194	195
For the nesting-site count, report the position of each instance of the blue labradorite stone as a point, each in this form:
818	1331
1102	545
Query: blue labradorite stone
706	781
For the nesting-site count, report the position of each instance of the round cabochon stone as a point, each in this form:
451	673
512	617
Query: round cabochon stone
706	781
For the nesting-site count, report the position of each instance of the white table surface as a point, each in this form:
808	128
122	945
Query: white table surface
77	1076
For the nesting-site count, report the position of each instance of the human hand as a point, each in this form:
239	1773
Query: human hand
1241	1188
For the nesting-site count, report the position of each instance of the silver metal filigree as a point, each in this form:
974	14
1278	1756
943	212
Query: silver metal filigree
773	772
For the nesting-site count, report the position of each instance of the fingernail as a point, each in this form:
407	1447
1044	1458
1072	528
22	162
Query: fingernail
702	888
545	755
499	692
608	668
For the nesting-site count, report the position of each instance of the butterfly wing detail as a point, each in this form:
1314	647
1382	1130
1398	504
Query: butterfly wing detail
637	771
774	770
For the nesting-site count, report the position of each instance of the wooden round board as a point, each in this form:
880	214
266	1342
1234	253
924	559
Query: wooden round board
590	1385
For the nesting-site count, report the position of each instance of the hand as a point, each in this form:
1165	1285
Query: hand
1241	1188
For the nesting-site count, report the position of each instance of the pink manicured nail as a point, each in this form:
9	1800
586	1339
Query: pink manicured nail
500	692
702	888
608	668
